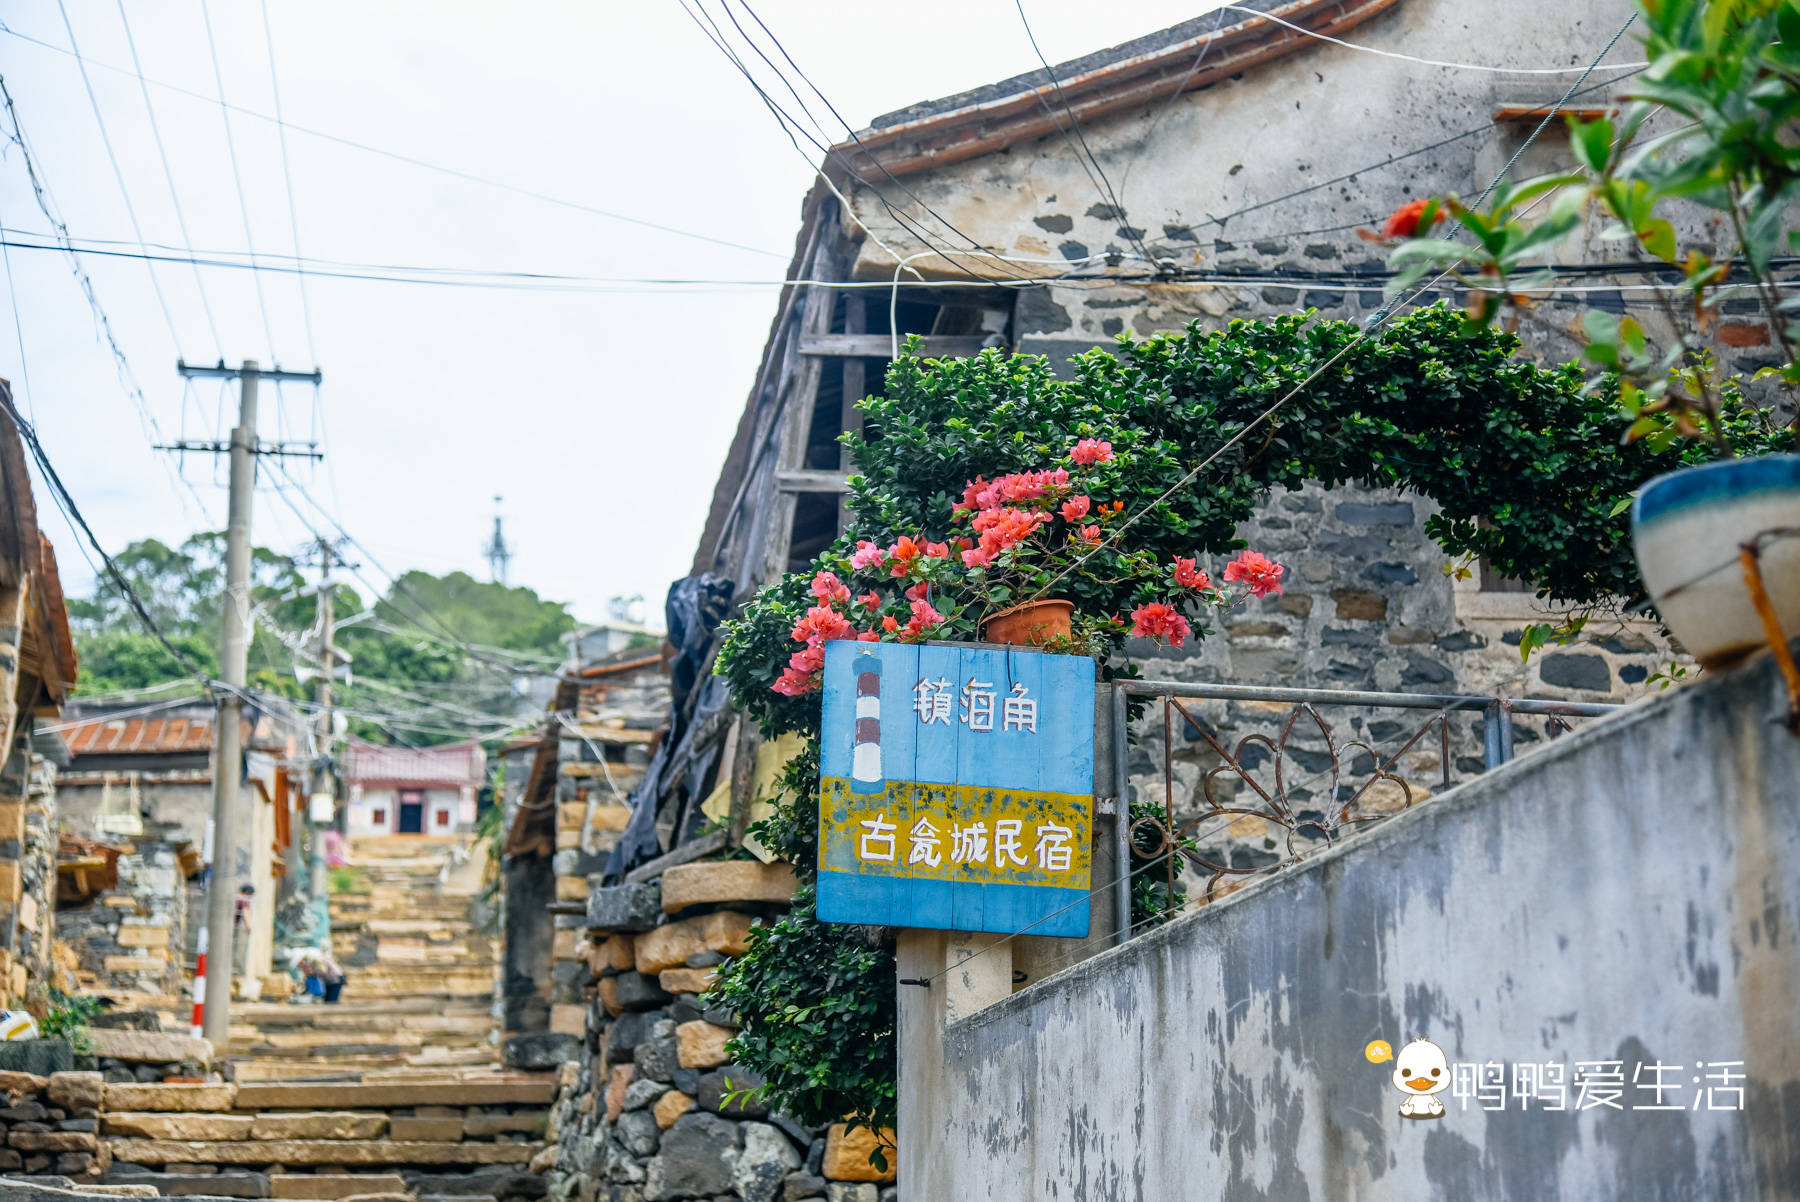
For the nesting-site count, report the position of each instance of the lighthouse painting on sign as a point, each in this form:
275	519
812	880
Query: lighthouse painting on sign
956	788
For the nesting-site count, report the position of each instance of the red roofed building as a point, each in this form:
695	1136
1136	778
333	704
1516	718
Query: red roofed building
413	790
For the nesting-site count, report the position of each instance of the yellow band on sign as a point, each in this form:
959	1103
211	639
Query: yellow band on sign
955	833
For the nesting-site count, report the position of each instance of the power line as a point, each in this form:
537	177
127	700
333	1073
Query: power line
1380	318
396	156
398	584
168	174
237	176
1428	62
848	128
119	176
541	281
287	176
790	126
1102	184
1472	131
40	189
67	501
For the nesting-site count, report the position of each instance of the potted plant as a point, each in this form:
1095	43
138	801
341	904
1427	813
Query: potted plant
1009	546
1707	124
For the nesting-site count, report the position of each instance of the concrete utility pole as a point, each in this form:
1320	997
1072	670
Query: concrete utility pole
234	658
319	815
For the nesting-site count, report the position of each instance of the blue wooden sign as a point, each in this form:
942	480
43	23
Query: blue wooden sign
956	788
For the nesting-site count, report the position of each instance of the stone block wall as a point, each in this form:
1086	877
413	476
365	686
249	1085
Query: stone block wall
50	1124
135	936
643	1114
27	879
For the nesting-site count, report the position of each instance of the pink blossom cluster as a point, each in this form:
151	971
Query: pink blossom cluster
1160	621
1261	573
981	494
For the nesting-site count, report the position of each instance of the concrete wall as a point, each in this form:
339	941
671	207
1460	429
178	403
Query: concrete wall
1628	893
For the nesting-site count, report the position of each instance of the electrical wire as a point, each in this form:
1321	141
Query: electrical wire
237	176
1380	318
1341	279
1487	128
168	174
48	471
40	189
119	177
1103	185
287	178
1427	62
855	137
396	156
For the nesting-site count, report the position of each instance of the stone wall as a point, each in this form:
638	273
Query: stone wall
135	937
1281	171
1621	898
50	1124
644	1114
27	878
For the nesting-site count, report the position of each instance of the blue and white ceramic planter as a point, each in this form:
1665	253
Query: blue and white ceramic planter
1686	528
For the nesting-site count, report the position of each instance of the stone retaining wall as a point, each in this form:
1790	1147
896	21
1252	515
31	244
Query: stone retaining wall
642	1115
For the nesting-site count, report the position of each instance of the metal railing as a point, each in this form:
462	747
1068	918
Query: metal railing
1275	797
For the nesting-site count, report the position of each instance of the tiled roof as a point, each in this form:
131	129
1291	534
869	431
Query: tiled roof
455	764
139	736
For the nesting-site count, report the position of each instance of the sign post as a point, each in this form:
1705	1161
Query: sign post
957	788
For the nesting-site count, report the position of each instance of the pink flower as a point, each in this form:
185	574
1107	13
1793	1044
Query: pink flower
937	551
868	636
889	624
923	619
828	588
870	601
1090	534
920	591
977	557
821	625
867	555
1259	571
803	672
1075	508
1091	450
1160	621
1187	576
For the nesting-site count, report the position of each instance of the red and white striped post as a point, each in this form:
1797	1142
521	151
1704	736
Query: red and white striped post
200	984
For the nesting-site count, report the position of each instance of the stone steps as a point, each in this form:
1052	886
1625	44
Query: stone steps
394	1090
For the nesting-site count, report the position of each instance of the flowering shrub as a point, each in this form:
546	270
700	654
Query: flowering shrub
1013	539
1422	403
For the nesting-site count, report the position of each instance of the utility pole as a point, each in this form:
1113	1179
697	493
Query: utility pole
234	657
321	804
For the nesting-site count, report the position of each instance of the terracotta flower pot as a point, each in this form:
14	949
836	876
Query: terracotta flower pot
1687	527
1031	624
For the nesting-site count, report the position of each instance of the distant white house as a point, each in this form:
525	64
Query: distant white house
413	791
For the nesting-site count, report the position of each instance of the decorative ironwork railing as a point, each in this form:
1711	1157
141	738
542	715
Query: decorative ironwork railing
1297	784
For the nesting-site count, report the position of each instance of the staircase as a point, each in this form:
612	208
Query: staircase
395	1090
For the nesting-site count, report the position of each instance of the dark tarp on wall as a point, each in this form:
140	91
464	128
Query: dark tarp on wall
694	610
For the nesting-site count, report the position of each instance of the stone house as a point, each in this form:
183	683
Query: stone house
1249	155
1253	159
563	810
140	785
37	671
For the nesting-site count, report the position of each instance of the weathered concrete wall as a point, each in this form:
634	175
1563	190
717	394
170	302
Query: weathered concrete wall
1630	893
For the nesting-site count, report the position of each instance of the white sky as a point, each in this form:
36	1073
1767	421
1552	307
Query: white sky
602	419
